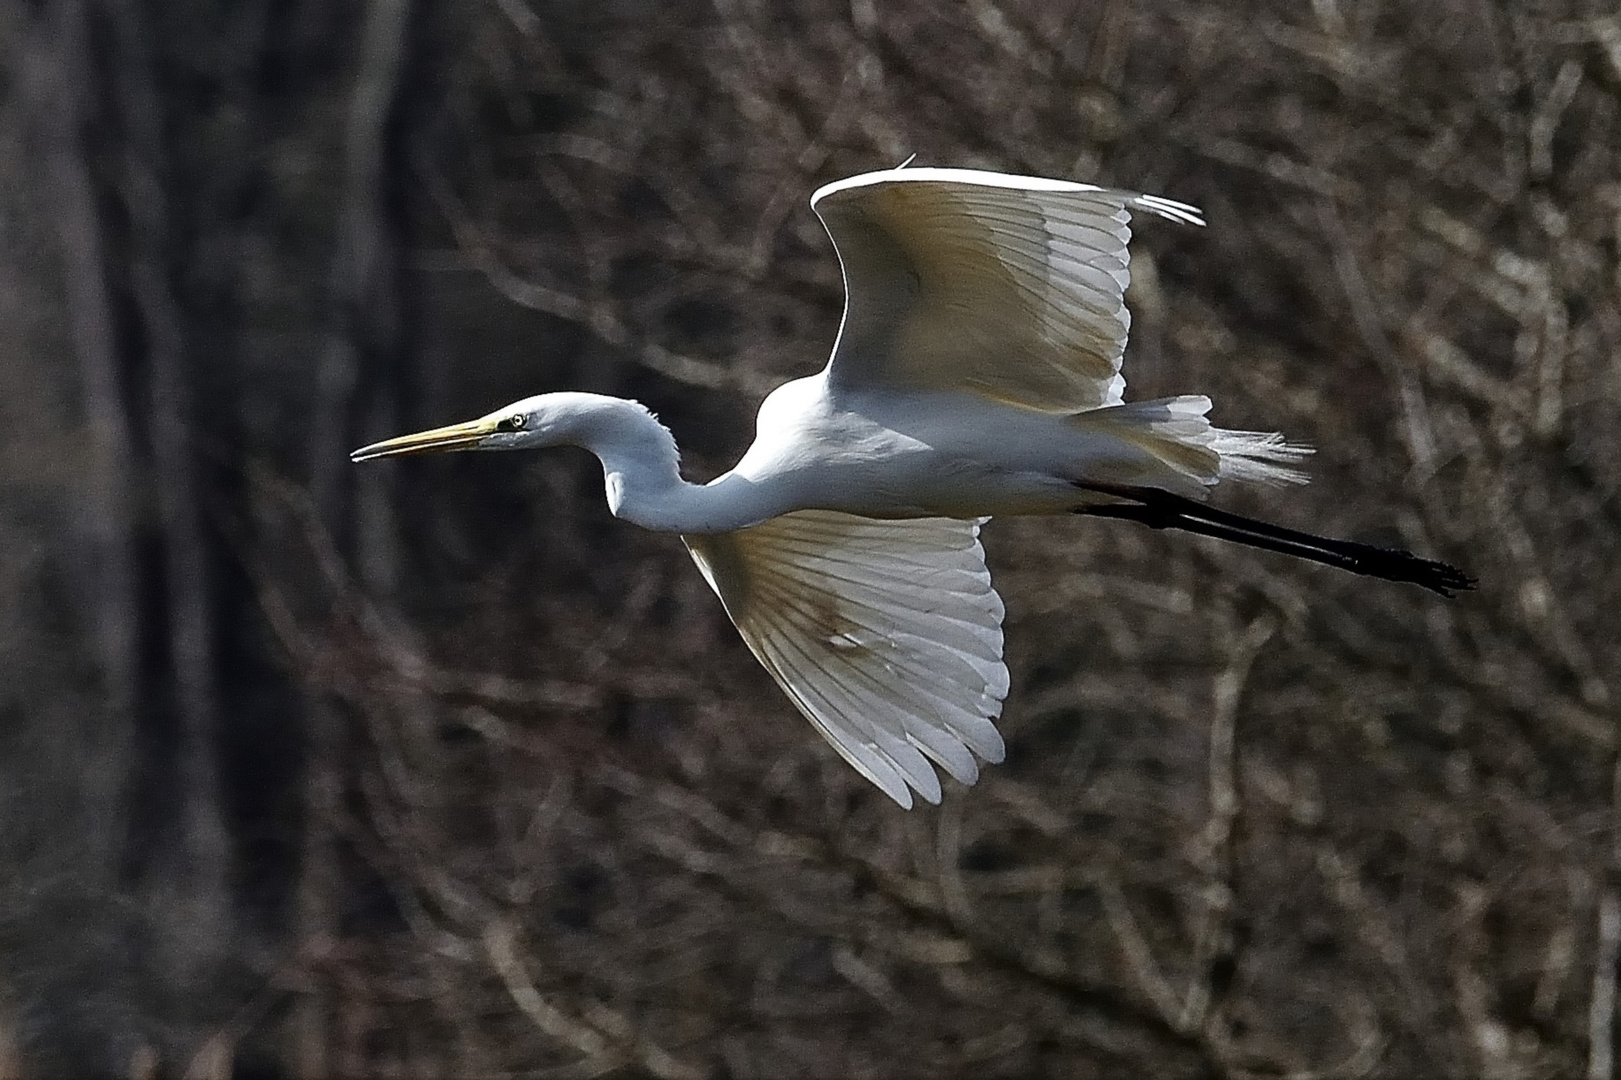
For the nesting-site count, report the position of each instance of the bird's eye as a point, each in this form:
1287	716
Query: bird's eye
513	423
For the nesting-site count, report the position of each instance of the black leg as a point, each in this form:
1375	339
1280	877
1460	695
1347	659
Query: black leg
1163	510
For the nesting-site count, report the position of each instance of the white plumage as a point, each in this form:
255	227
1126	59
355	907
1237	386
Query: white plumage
886	634
1009	286
976	373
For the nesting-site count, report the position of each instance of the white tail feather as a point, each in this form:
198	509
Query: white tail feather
1258	457
1178	433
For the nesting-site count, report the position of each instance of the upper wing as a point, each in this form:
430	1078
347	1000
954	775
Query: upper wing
1007	286
886	634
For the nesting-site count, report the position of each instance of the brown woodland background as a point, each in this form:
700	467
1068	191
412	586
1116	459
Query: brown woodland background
434	769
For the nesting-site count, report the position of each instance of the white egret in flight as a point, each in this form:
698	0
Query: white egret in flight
976	373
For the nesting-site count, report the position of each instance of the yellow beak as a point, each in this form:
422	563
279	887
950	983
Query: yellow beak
454	437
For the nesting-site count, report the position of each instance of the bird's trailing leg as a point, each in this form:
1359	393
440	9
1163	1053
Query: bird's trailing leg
1163	510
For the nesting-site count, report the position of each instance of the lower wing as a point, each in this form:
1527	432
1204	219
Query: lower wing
887	635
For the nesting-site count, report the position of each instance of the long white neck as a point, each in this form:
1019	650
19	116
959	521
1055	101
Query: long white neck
642	472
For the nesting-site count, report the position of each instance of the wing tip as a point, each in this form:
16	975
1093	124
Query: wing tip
1184	213
992	748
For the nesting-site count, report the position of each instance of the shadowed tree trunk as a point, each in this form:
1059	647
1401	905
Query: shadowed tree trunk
102	1036
363	368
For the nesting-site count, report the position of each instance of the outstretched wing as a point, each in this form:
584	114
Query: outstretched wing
886	634
1008	286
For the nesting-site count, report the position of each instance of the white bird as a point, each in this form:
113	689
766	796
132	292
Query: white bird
976	373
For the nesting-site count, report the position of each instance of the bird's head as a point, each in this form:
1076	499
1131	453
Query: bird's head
544	420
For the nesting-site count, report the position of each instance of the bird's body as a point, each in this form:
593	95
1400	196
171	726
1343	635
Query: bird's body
929	454
976	374
932	453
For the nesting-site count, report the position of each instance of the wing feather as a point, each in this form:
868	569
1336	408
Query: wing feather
1008	286
887	635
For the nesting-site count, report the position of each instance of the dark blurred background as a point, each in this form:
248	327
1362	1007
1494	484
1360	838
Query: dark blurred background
431	768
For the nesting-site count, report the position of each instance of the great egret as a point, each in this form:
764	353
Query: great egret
976	373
